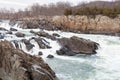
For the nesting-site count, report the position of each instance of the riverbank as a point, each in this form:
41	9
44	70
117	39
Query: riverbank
78	24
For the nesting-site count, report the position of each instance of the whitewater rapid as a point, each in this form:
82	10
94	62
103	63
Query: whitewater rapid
105	65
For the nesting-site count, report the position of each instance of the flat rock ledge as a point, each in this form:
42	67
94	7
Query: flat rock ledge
18	65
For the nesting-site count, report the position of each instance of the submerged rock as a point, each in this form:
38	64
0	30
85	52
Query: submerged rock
19	34
13	29
40	53
9	32
75	45
18	65
50	56
56	35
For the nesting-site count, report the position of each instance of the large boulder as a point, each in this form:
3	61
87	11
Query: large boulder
18	65
75	45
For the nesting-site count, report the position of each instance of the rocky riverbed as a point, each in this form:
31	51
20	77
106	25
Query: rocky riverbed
21	53
71	56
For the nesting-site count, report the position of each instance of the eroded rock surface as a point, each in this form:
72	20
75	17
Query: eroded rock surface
75	45
17	65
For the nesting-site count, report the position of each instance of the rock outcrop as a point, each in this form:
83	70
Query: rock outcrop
44	34
98	25
17	65
82	24
42	23
74	45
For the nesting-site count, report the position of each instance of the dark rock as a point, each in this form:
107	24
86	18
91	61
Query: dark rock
9	32
16	43
29	46
44	34
40	53
15	64
13	29
50	56
19	34
43	44
31	31
39	23
56	35
2	36
3	29
76	45
65	51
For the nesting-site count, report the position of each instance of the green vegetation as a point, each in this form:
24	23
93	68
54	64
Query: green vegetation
93	11
68	12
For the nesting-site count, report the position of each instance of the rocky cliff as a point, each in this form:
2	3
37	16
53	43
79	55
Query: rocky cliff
99	24
17	65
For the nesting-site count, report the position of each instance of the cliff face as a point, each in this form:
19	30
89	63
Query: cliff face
17	65
99	24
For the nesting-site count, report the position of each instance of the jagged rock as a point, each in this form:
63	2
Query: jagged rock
43	44
42	23
40	53
13	29
16	43
18	65
50	56
19	34
56	35
98	25
75	45
44	34
29	46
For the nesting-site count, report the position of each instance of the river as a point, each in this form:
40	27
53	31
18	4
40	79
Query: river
105	65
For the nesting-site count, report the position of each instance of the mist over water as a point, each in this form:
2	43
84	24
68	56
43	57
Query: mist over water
105	65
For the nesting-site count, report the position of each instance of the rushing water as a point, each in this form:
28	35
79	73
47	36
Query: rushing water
105	65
